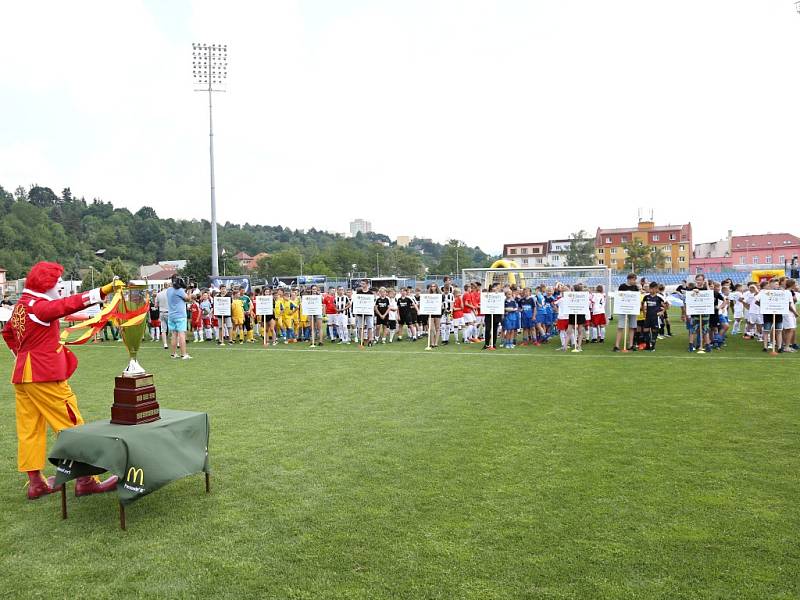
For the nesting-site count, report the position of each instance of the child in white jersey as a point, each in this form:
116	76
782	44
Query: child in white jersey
597	307
735	300
790	318
754	319
392	314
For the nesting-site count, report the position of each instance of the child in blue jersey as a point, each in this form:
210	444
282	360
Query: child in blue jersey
541	316
527	308
551	297
510	320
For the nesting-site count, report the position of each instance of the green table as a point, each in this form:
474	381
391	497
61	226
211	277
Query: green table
145	457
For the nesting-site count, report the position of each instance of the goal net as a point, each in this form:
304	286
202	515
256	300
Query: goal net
590	277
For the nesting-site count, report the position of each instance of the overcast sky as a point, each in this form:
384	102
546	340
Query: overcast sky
491	122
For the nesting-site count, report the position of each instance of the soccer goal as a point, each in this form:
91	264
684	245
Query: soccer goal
525	277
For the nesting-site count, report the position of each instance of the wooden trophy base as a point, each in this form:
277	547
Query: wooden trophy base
134	400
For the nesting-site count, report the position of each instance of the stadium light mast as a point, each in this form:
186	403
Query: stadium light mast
210	70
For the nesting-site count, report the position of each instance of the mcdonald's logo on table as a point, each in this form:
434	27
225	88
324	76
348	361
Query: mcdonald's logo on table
65	466
133	473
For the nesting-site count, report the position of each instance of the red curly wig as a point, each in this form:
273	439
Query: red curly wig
43	276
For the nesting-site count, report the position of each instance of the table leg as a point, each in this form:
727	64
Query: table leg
122	516
64	500
208	483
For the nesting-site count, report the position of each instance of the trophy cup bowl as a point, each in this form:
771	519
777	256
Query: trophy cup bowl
134	297
134	391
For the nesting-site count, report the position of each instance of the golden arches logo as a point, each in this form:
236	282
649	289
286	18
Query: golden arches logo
133	474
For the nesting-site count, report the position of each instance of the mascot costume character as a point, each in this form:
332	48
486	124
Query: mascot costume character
41	368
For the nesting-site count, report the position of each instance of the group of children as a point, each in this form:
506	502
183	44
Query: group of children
532	316
776	332
707	333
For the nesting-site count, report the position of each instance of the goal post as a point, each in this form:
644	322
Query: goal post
523	277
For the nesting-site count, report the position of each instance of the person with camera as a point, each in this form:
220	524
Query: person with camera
177	301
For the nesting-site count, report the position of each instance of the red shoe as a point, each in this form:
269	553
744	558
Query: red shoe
42	487
85	486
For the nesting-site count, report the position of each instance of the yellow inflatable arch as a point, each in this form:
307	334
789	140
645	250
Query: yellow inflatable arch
761	275
505	264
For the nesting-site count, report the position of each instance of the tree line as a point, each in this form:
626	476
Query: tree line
38	224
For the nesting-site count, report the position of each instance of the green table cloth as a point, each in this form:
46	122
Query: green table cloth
145	457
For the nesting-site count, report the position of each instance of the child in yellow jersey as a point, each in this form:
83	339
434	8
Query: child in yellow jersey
292	319
304	324
237	317
280	307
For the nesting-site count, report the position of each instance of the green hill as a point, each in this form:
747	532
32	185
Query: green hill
37	224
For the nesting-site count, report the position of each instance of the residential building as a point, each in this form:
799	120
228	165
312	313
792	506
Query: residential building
768	250
712	256
254	263
147	271
360	226
552	253
173	264
160	275
527	254
675	241
403	241
557	252
243	258
247	262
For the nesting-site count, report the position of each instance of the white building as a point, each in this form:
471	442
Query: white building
172	265
552	253
557	252
360	226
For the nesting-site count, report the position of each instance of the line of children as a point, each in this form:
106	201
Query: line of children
531	317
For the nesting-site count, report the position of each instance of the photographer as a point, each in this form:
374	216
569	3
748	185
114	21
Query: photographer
177	301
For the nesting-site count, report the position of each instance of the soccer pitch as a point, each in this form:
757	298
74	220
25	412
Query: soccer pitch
393	472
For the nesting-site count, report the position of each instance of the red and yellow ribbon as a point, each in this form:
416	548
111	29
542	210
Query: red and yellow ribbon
110	312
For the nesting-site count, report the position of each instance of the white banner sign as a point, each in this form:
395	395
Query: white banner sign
627	303
222	306
311	305
264	306
493	303
363	304
575	303
699	302
774	302
430	304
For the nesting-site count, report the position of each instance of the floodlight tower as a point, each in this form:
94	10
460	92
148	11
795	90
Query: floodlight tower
210	70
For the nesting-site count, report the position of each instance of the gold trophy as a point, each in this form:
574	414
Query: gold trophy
134	297
134	391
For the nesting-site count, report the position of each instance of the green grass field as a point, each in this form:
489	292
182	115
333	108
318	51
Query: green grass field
398	473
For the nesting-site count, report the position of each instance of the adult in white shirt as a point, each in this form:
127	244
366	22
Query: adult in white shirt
163	310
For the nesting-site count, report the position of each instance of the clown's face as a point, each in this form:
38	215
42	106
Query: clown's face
56	291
